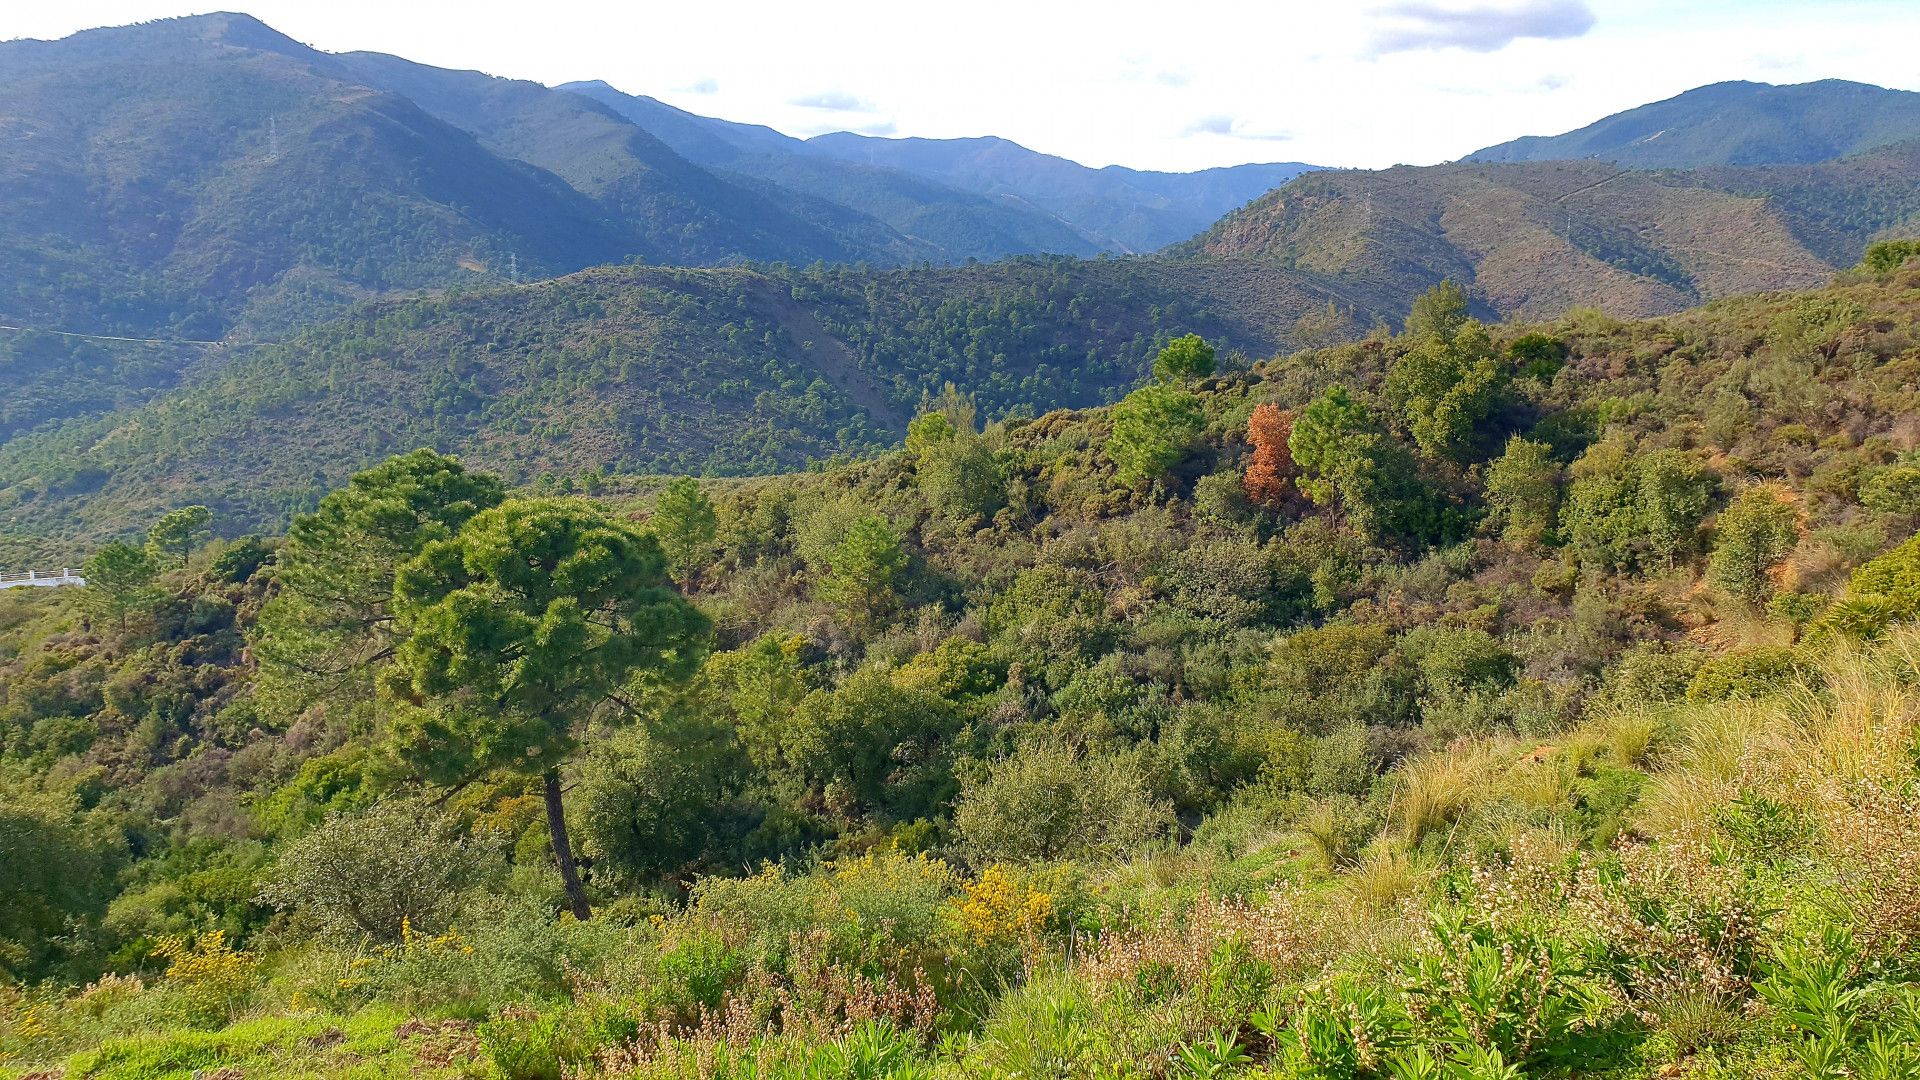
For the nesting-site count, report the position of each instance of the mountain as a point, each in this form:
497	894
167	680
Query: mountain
637	369
1533	240
184	177
163	177
679	212
1734	123
959	224
1130	210
1114	209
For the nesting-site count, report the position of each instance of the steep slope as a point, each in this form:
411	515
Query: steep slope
705	139
1038	198
1734	123
636	369
954	225
165	176
684	214
1536	239
1127	209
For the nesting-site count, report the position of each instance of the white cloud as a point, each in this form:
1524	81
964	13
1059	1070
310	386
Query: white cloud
1235	128
1143	85
833	101
1475	27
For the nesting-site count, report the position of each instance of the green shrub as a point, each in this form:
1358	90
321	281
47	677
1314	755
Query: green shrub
1048	802
399	865
1886	256
1749	673
1751	536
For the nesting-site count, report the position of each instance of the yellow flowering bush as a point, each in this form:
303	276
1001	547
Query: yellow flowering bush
211	976
997	906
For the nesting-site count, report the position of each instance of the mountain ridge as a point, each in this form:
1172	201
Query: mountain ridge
1734	123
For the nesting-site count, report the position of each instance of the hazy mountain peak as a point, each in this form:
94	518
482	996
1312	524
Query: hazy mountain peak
1734	123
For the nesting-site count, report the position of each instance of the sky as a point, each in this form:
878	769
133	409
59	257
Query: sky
1178	85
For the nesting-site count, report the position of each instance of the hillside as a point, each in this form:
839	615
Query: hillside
163	178
1533	240
183	177
1734	123
960	224
998	184
1129	210
680	213
1502	701
629	369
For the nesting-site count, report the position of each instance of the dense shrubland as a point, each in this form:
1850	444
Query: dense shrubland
620	369
1477	702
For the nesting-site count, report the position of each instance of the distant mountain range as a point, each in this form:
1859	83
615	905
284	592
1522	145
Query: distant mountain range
1111	209
188	175
1735	123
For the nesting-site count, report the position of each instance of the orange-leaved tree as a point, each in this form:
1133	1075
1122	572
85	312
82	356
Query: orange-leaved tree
1269	478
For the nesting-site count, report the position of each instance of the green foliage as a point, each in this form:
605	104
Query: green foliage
119	582
521	622
1523	491
1674	489
865	568
961	478
1322	439
398	867
1748	673
518	626
1893	491
871	744
179	533
1113	776
1886	256
1751	536
241	559
685	524
1446	385
1152	429
1881	594
657	801
328	627
1625	509
926	431
1346	458
1439	314
1496	998
1185	358
60	865
1047	802
1537	356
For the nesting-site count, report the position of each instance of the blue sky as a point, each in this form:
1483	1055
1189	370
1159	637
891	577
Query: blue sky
1168	85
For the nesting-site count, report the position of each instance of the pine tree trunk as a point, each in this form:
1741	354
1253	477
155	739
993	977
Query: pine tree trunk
563	848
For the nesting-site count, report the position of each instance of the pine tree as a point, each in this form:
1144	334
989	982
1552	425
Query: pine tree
519	627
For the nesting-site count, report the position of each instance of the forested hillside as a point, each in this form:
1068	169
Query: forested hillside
1537	239
628	370
1481	701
